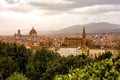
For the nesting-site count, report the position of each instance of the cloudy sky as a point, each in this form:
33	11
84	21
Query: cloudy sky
49	15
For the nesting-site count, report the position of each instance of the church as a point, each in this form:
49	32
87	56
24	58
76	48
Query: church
77	42
32	33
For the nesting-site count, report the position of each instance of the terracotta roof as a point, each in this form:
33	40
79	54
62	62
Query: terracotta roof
73	38
32	31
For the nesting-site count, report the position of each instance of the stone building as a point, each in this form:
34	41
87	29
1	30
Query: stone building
77	42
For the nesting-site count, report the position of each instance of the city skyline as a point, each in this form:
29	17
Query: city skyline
47	15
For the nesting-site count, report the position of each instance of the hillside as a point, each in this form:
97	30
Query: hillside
101	27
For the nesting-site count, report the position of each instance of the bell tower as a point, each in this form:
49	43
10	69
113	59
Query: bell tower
83	34
85	49
84	38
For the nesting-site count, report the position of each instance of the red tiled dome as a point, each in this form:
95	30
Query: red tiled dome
32	31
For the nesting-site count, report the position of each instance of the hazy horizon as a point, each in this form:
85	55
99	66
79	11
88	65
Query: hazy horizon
46	15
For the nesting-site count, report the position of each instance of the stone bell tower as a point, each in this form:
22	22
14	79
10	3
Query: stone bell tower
85	49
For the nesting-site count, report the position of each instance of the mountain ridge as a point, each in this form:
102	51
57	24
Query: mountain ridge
100	27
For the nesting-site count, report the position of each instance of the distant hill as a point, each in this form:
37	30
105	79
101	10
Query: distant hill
101	27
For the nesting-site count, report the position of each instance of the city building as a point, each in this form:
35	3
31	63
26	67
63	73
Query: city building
18	35
80	45
65	45
76	42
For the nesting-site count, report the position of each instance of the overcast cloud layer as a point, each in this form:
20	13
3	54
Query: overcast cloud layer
55	14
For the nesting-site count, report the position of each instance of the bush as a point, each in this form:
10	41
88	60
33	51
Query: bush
17	76
106	69
7	67
38	63
13	58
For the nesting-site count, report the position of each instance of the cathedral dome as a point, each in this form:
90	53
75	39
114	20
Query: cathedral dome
33	32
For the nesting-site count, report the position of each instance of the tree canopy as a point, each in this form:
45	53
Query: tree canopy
17	62
13	58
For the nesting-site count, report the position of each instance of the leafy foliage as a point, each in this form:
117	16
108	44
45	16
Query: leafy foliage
13	58
16	76
107	69
38	63
7	67
44	64
62	65
47	65
103	56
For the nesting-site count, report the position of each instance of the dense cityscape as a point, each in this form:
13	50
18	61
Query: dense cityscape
71	44
76	50
59	40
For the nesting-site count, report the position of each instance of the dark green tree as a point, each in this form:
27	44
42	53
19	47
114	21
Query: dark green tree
64	64
104	56
17	53
38	63
16	56
7	67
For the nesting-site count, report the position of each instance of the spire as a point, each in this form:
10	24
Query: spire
84	34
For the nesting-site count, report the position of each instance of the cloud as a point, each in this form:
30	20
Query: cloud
96	9
49	2
12	1
53	7
37	7
66	6
82	3
44	12
38	12
61	5
20	6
